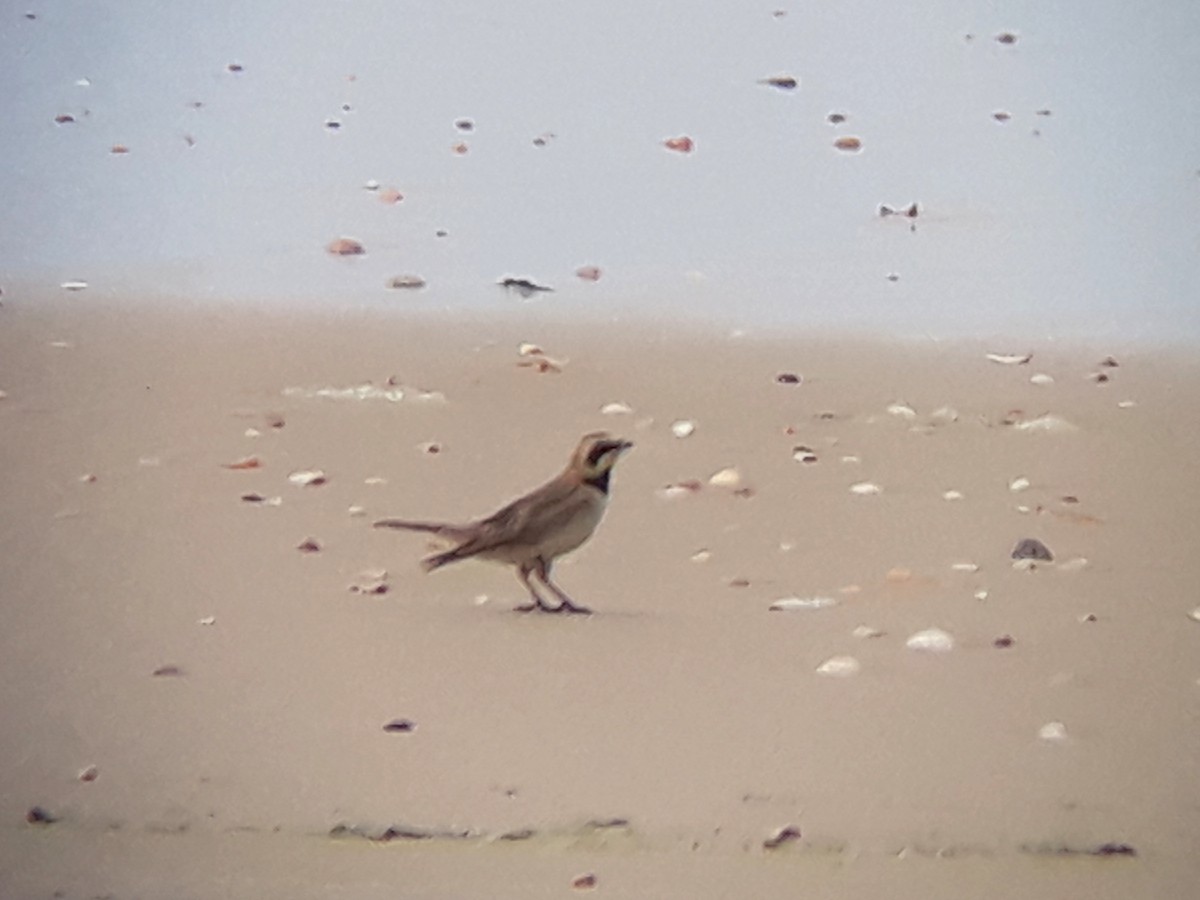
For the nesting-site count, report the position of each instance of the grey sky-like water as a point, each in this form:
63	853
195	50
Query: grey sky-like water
1075	224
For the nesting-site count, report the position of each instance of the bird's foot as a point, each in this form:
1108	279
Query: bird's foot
572	609
537	606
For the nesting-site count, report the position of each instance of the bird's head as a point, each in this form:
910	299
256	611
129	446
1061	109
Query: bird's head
596	454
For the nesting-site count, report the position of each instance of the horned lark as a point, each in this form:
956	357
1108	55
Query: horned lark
534	530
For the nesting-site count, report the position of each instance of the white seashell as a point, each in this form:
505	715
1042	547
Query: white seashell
1050	423
273	501
952	495
616	409
371	185
356	511
932	640
981	595
682	428
944	414
1053	731
840	667
786	546
370	581
1195	614
865	632
1126	404
865	488
674	491
1018	484
701	556
307	477
481	599
1074	564
1010	359
374	479
851	460
74	285
785	604
528	349
207	620
964	567
252	433
729	477
1041	378
902	411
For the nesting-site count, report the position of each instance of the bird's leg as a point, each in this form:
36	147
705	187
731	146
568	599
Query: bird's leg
565	603
538	603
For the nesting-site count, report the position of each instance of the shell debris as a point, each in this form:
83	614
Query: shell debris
865	489
1010	359
1053	732
839	667
786	604
307	477
931	640
727	478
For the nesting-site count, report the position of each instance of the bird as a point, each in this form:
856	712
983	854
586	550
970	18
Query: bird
532	531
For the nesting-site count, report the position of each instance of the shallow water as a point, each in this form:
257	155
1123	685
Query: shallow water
1075	230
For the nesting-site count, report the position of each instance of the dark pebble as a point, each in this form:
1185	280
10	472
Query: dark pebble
39	815
783	836
1032	548
400	726
787	378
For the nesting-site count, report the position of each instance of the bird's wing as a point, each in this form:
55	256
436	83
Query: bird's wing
526	520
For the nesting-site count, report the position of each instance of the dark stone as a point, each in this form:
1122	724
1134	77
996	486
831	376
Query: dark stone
1032	548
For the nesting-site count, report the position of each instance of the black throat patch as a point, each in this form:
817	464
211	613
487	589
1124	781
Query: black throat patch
600	482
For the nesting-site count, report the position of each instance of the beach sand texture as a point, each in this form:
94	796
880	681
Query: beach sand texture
655	745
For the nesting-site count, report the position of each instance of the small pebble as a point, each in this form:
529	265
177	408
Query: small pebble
1019	484
952	495
788	378
309	545
584	882
682	428
88	773
864	632
400	726
39	815
1003	642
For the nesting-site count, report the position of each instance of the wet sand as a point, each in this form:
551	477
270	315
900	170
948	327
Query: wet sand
656	744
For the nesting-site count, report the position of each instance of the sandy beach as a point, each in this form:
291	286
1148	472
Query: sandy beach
1044	746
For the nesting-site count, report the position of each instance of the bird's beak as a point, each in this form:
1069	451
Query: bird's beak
622	446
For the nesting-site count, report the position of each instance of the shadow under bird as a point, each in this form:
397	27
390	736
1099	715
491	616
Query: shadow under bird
534	530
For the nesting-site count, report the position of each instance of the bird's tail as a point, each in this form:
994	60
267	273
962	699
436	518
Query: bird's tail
441	529
404	525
